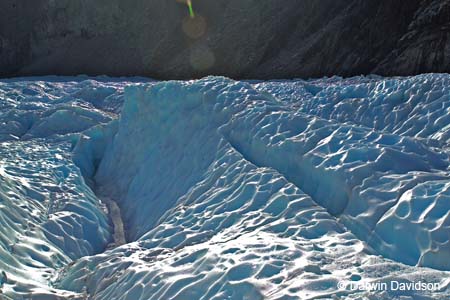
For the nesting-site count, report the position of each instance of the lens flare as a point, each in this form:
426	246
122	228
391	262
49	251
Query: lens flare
191	9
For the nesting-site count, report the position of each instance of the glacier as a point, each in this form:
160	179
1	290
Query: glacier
227	189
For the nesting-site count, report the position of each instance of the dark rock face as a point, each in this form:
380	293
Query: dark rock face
236	38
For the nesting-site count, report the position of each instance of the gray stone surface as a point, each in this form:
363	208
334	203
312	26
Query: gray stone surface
236	38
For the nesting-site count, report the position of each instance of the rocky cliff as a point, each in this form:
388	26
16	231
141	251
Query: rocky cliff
236	38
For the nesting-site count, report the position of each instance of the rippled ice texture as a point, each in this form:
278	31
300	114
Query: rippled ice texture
228	189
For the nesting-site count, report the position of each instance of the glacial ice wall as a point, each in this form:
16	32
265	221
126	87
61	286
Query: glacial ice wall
372	180
233	190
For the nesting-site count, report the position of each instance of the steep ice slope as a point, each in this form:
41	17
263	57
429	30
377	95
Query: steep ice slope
233	193
242	232
49	217
359	175
371	174
406	193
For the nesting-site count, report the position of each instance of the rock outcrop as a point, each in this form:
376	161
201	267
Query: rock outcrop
236	38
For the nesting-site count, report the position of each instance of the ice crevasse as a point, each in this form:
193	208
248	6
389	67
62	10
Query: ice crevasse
49	216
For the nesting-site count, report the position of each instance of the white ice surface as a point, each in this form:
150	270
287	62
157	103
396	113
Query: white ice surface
228	190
